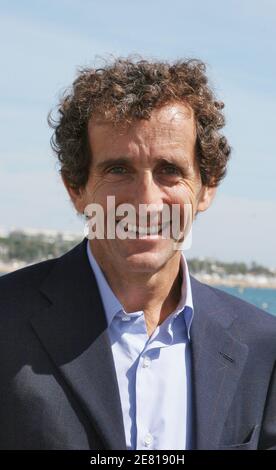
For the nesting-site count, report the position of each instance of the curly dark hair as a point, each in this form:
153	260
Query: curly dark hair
127	90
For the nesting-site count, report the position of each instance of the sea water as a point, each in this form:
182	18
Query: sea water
262	298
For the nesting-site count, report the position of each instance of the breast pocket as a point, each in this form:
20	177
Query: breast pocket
250	444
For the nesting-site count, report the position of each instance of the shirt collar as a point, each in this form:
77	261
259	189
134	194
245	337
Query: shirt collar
112	304
185	304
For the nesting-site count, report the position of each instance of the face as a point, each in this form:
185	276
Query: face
150	162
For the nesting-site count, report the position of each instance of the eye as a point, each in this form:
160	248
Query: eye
117	170
170	170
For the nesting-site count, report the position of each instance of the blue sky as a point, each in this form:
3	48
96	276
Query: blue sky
44	42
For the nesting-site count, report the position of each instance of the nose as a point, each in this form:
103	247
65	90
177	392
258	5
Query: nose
149	193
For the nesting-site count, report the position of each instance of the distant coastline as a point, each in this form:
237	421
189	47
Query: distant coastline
241	281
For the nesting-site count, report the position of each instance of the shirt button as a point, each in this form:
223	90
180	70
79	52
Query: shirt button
125	318
148	439
146	361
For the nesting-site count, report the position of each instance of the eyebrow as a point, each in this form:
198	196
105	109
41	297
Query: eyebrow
127	160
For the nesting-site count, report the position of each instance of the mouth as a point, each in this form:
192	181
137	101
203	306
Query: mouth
139	231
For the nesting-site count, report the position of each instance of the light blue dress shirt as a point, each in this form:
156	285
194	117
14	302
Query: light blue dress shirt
154	374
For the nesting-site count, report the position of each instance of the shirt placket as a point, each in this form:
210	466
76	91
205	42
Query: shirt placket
145	369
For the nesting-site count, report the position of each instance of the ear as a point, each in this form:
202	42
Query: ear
76	196
206	197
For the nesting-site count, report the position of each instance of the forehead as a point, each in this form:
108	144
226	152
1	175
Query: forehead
170	127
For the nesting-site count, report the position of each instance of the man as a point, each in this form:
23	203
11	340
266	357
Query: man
114	345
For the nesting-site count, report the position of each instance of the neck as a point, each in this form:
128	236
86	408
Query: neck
156	293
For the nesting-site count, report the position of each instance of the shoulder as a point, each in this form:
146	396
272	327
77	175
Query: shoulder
23	295
21	287
19	290
229	301
244	318
25	277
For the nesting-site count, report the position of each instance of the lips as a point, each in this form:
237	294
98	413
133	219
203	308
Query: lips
145	230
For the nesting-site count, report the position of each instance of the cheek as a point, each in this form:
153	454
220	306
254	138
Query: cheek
184	194
98	188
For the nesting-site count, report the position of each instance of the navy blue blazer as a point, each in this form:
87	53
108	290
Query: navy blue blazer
58	387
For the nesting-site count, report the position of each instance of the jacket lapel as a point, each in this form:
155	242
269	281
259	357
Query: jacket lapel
218	358
73	330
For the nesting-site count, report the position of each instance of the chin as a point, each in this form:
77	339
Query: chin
147	262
